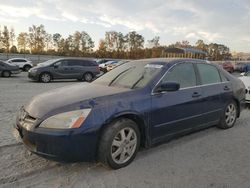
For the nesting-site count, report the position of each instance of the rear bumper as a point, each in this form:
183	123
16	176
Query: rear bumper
16	71
60	145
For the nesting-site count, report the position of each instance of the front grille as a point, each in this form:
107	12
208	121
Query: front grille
247	91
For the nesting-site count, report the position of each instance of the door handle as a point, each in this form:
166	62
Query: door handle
196	94
226	88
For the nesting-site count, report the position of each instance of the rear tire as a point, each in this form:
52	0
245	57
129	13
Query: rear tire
88	77
6	74
45	77
119	144
229	116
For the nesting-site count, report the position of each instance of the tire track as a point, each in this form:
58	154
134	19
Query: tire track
10	145
11	179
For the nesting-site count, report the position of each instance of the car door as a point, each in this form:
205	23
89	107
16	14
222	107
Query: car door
75	68
174	112
214	91
61	69
19	62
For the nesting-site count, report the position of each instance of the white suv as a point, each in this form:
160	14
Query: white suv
22	63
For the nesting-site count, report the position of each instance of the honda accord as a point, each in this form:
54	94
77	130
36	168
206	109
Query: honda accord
139	104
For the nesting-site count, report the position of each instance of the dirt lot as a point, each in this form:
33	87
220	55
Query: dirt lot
209	158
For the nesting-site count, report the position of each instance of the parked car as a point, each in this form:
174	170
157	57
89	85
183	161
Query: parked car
65	68
228	67
22	63
139	104
246	68
111	66
239	67
7	69
245	78
103	66
102	61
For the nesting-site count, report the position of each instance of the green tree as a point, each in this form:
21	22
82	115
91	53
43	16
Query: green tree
37	36
48	41
154	43
22	41
12	36
57	37
5	39
134	42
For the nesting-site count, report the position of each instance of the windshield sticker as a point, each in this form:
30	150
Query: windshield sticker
154	66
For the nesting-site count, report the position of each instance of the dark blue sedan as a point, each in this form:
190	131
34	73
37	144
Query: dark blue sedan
138	104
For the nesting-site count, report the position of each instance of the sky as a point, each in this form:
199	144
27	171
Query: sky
221	21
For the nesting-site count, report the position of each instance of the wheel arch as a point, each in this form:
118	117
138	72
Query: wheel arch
238	106
138	119
5	71
89	73
47	73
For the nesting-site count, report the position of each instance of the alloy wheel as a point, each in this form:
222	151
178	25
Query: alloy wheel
123	145
88	77
230	114
45	78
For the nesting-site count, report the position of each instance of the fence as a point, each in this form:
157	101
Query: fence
41	58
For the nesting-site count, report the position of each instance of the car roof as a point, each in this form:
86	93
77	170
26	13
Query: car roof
76	58
169	61
17	58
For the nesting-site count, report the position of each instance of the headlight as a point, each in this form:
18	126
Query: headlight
67	120
33	70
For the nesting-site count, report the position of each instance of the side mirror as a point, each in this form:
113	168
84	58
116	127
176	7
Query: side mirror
168	86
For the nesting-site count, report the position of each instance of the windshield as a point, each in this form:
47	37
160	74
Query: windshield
8	63
49	62
130	75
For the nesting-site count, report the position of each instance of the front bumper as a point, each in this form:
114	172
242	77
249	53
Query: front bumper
33	76
63	145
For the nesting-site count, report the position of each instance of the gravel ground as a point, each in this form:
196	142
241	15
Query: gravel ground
209	158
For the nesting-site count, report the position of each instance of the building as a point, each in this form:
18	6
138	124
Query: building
184	53
240	56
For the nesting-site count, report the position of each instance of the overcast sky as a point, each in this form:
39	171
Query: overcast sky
221	21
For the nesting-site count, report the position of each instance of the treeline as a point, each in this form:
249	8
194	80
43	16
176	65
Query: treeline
114	44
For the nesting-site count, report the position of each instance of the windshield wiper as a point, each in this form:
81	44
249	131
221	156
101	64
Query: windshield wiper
115	78
142	77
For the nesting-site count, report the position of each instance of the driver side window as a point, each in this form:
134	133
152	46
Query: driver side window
61	64
183	74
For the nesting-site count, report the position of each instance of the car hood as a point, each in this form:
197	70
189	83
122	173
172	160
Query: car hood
55	100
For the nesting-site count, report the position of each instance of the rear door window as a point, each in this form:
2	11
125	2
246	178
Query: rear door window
75	63
18	60
184	74
209	74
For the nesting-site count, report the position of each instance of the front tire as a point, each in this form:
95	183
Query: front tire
119	144
45	77
6	74
229	116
